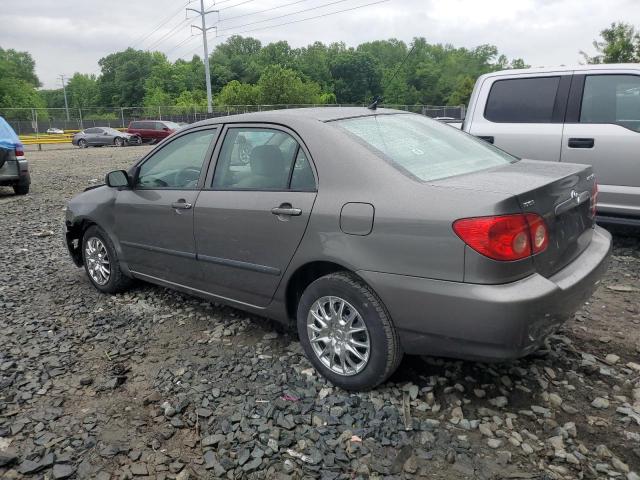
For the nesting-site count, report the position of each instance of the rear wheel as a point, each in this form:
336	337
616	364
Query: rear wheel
101	262
82	143
347	333
21	189
137	140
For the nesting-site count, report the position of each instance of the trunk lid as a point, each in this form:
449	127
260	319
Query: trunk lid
559	192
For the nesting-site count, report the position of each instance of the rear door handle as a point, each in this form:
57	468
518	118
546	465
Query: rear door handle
286	210
489	138
181	205
581	142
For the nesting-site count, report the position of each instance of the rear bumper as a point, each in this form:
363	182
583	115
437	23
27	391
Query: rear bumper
488	322
15	172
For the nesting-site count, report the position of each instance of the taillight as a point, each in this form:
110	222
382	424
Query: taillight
594	200
19	152
504	237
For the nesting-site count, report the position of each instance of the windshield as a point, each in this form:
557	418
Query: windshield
425	148
172	125
112	131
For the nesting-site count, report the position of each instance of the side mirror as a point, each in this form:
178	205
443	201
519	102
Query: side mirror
117	178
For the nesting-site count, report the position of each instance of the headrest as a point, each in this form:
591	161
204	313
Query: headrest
266	160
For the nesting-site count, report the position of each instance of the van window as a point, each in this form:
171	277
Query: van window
612	99
522	100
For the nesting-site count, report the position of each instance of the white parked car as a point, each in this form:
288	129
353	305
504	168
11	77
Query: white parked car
55	131
587	114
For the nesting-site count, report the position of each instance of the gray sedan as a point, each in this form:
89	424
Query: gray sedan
377	232
101	136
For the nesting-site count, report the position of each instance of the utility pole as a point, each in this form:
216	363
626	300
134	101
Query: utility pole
64	89
202	13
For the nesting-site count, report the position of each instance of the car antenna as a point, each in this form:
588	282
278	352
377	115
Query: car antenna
378	99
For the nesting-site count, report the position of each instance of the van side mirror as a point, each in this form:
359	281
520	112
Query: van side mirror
117	179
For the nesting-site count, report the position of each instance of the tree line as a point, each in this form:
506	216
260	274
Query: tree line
246	72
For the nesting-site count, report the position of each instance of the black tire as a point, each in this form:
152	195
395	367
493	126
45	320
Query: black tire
137	141
118	142
82	143
21	189
385	351
117	281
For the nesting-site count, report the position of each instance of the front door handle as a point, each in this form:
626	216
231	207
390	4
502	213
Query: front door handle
181	205
581	142
286	209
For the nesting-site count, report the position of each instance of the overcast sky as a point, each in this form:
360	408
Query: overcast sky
67	36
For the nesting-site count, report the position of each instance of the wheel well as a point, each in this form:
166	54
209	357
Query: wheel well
302	278
75	232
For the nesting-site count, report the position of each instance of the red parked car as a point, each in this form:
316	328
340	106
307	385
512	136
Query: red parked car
152	130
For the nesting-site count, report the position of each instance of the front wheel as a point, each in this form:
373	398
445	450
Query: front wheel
101	262
118	142
82	143
347	333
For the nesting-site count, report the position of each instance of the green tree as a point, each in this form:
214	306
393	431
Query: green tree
82	91
356	76
280	86
620	44
18	81
236	93
123	77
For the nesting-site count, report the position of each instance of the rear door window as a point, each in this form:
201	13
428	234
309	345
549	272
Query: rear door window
612	99
522	100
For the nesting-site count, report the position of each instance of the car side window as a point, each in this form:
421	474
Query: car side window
91	130
612	99
178	164
522	100
255	159
302	177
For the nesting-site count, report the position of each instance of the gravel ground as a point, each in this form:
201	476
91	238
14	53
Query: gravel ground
156	384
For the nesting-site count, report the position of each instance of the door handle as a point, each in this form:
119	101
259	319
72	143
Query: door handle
286	209
181	205
488	138
581	142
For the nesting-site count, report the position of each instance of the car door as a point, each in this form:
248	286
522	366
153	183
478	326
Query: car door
90	135
603	130
523	115
154	219
104	137
253	212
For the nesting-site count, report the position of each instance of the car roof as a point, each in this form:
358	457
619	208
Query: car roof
293	115
564	68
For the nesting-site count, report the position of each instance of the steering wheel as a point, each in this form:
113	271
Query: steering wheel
185	176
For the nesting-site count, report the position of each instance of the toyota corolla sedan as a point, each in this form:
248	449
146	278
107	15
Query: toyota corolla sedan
378	232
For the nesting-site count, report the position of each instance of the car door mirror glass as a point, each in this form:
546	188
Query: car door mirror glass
117	178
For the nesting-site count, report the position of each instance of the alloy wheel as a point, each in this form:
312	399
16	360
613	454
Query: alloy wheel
338	335
98	263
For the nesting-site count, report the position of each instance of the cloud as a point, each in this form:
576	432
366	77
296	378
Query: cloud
68	36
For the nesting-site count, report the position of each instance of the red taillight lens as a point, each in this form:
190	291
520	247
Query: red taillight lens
504	237
19	152
594	199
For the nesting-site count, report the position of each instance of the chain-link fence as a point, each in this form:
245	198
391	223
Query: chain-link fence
29	121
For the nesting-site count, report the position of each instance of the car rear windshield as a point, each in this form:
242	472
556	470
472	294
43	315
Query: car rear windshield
424	148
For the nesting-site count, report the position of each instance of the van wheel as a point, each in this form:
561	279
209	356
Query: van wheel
347	333
101	262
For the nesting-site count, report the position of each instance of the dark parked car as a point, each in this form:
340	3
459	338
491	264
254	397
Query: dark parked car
378	232
153	130
101	136
14	169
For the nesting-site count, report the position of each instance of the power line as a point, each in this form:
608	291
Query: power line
237	5
176	47
261	11
285	15
140	40
169	34
303	19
